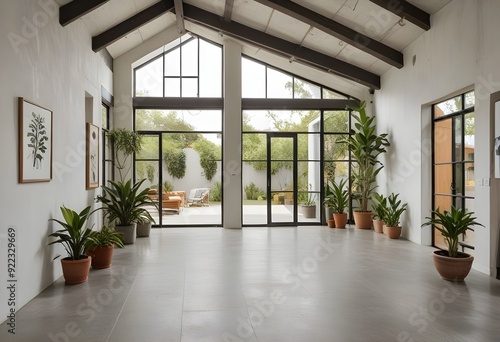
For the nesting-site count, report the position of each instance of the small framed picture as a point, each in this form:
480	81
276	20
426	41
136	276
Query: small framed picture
92	157
35	142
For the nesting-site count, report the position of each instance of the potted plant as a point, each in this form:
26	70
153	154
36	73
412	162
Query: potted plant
75	237
124	205
102	244
378	206
392	216
365	146
309	206
340	202
328	204
452	264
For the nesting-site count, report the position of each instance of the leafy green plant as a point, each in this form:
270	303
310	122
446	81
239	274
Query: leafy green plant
253	192
378	206
328	200
393	210
216	192
175	163
310	200
124	144
75	236
365	146
340	196
37	139
106	237
125	203
167	186
452	224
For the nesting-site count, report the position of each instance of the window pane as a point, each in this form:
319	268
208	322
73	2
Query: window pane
469	180
457	122
470	100
308	176
150	147
253	79
336	121
210	70
172	62
442	141
104	119
308	146
149	80
306	90
172	87
447	107
335	171
254	147
333	150
189	87
443	182
179	120
189	53
330	94
279	85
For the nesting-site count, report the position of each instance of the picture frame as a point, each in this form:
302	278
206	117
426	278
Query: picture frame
35	142
92	157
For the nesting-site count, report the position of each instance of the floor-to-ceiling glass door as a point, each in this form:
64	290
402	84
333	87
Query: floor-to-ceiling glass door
281	179
453	160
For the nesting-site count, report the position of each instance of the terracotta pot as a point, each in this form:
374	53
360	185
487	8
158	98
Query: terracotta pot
76	271
101	256
452	269
393	232
340	220
128	233
331	223
363	219
144	229
378	226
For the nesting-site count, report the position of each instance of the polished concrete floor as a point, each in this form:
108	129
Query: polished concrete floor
279	284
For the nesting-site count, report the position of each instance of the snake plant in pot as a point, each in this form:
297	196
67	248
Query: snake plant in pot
124	204
392	216
340	202
75	236
379	204
451	264
366	146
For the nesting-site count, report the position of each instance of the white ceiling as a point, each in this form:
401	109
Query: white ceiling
360	15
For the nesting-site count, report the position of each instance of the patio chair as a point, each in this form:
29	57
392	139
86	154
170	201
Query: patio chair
198	196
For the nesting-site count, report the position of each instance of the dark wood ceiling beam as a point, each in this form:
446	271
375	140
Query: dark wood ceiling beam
228	10
76	9
125	27
179	14
405	10
342	32
282	47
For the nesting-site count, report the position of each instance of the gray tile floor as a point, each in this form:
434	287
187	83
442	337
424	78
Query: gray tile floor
258	284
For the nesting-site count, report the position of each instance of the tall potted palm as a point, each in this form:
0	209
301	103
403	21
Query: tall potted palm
75	236
366	146
125	204
451	264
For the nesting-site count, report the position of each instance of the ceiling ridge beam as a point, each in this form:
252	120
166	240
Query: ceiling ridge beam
404	9
336	29
282	47
120	30
76	9
228	10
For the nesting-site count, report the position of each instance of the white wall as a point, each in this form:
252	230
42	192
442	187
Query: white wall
55	67
460	52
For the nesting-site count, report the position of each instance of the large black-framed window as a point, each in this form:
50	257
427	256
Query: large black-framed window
453	160
107	155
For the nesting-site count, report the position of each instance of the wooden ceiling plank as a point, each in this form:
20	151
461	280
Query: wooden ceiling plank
336	29
120	30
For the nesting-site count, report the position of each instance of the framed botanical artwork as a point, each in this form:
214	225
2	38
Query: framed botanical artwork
92	157
35	142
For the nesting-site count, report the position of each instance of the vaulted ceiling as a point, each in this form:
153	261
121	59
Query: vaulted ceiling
357	40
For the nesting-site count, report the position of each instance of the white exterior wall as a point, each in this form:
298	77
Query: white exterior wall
55	67
459	53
